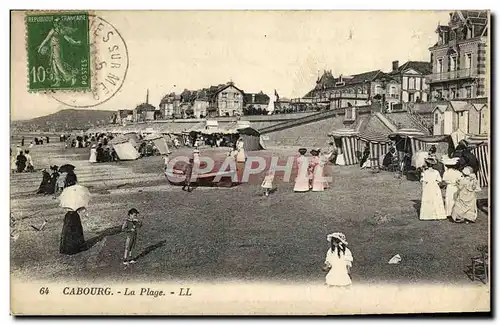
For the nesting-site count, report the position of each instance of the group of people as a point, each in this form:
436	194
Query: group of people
460	204
36	141
102	153
310	171
56	180
21	161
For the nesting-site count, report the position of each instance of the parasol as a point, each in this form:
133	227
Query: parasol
74	197
67	168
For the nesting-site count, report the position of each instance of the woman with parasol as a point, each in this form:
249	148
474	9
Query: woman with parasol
75	199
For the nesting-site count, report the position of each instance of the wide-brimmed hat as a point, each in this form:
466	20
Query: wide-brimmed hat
302	150
467	171
313	151
337	235
450	161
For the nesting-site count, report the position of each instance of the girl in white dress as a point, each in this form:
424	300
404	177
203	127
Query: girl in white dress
93	154
451	177
338	261
432	206
267	184
240	147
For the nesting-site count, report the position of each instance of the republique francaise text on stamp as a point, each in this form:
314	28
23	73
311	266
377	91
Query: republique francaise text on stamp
58	51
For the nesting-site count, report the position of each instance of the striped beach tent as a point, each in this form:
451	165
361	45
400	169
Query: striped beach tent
407	140
480	149
378	143
347	141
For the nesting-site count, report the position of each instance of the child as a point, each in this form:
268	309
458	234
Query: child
338	261
188	172
267	184
130	226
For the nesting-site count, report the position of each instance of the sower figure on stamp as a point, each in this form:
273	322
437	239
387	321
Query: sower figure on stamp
62	70
130	227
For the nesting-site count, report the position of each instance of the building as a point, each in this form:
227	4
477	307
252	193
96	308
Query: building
253	103
125	116
356	90
478	118
459	57
225	100
451	117
412	77
170	105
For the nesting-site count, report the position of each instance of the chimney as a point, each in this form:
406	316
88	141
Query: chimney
395	65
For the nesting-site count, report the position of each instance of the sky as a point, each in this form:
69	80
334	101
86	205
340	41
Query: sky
257	50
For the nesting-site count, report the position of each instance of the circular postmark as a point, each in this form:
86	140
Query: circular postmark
109	65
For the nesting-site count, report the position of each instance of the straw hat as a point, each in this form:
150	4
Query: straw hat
337	235
196	151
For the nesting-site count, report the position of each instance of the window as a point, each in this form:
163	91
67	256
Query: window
224	95
468	60
411	83
235	95
439	65
393	92
453	93
418	85
411	97
468	91
405	82
453	63
378	90
436	118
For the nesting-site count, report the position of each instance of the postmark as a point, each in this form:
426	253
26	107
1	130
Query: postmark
58	51
109	63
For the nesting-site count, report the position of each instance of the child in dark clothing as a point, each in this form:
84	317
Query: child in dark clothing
130	227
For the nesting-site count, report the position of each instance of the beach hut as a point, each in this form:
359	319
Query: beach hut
347	141
480	149
124	148
160	143
251	139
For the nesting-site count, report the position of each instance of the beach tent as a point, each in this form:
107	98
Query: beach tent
378	143
251	139
160	143
124	148
405	140
133	137
480	149
347	141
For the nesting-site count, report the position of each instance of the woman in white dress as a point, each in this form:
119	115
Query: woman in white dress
465	207
432	206
93	154
302	179
319	183
451	177
241	157
338	261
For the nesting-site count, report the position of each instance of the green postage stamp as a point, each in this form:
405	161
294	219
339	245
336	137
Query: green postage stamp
58	51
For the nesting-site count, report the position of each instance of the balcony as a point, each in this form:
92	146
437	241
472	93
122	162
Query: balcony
452	75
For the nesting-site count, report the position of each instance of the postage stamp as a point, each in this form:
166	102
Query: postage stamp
58	51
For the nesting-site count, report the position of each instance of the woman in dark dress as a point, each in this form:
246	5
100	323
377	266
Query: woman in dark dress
72	239
21	162
71	179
